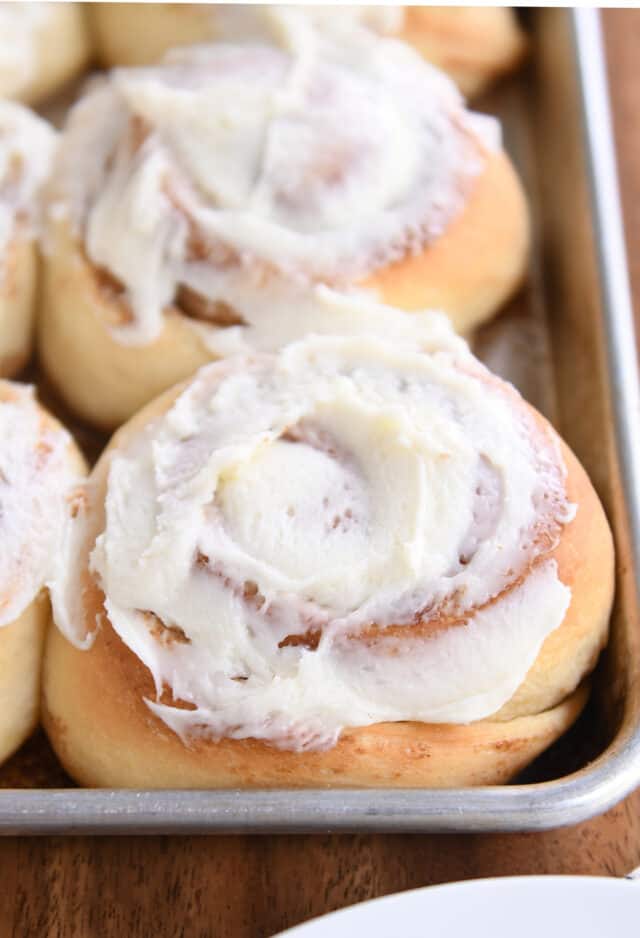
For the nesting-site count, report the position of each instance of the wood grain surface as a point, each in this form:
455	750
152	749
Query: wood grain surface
227	887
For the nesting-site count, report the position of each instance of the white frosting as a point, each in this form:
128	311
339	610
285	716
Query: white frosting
322	160
26	152
285	503
278	313
20	24
35	478
386	20
236	22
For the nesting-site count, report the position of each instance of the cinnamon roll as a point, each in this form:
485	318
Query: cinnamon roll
351	562
42	46
39	466
189	197
474	45
26	150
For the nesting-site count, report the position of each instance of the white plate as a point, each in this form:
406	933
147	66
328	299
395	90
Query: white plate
526	906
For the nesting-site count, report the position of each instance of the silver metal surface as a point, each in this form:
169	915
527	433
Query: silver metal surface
519	807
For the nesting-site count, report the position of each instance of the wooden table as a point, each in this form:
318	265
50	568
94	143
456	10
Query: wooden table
232	887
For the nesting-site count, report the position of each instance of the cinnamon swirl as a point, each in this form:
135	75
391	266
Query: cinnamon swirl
39	465
42	46
352	562
26	150
474	45
344	160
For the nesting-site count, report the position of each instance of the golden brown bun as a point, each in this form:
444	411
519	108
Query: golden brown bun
21	647
473	45
102	380
479	261
109	737
62	49
18	274
472	268
585	559
140	33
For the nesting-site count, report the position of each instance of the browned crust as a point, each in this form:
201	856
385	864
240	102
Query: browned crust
18	275
479	261
585	559
468	272
99	378
474	45
105	736
21	647
22	641
110	737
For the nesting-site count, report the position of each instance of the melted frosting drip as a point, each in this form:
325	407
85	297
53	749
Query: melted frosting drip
319	160
26	152
35	478
348	532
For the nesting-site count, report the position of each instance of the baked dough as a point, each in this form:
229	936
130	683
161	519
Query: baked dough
474	45
33	484
21	648
26	148
18	274
335	203
44	45
138	732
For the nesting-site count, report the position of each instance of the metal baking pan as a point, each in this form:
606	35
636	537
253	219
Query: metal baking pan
569	343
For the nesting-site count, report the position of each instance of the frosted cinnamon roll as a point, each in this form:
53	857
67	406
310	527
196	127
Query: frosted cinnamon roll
39	466
26	151
475	45
352	562
347	162
42	46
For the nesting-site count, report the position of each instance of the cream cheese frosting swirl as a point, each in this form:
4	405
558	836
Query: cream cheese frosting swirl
348	532
320	160
26	151
35	479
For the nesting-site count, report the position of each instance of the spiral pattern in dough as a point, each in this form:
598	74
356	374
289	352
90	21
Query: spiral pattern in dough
345	533
323	160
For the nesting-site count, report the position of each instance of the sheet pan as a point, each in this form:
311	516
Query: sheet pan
568	342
